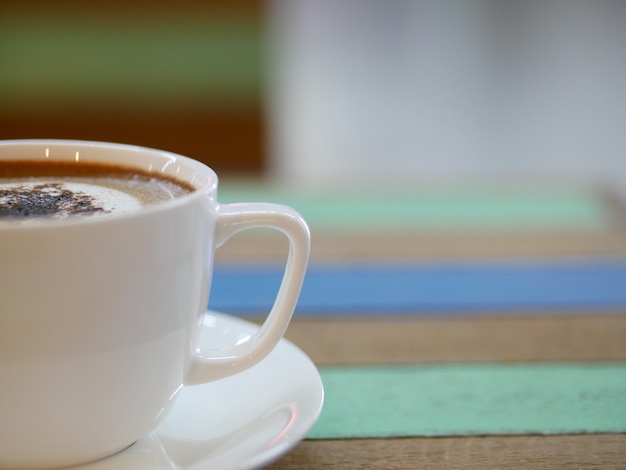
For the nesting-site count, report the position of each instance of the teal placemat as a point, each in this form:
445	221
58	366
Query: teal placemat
435	208
473	399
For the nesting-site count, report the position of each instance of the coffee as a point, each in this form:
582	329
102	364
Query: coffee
35	189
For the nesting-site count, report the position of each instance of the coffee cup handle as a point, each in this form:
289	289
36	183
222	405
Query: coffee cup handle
234	218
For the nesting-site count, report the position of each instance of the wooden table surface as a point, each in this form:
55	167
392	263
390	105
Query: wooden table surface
522	337
527	338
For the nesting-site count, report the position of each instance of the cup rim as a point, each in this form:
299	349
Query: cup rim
197	174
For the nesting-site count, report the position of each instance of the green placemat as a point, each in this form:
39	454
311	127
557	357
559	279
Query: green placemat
512	208
474	399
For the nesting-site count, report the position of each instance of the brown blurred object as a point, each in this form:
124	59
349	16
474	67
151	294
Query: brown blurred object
230	137
231	142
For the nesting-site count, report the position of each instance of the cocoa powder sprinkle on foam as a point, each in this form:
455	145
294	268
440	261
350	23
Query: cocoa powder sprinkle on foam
46	199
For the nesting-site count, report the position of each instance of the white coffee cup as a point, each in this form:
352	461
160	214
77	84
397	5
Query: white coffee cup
99	315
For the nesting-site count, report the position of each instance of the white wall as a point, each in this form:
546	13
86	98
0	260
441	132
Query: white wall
448	89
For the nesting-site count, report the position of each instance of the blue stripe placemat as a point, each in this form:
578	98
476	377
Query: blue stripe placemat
428	288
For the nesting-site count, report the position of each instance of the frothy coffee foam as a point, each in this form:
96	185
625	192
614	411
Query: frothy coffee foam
62	197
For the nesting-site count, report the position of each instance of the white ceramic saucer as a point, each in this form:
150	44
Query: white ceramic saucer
241	422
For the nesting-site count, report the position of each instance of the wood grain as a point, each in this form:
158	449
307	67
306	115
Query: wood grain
606	451
512	337
327	246
525	338
540	338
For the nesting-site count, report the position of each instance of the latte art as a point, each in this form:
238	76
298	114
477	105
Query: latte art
62	199
58	191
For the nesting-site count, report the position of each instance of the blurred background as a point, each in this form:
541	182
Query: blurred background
449	90
185	76
303	91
